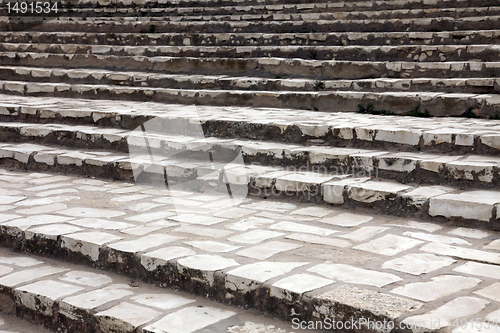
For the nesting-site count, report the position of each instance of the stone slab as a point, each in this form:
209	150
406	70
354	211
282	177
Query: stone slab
418	263
389	245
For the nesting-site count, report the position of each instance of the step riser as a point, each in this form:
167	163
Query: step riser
443	24
142	80
330	39
317	70
340	53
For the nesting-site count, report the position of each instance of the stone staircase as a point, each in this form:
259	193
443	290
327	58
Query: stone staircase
377	107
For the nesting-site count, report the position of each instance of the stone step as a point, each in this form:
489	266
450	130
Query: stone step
69	297
225	82
338	129
399	103
264	67
219	256
151	24
264	13
420	53
248	39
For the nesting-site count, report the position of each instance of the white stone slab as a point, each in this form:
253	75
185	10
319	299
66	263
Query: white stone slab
51	231
389	245
161	257
203	231
44	201
25	276
45	209
143	243
20	261
347	220
301	228
475	268
466	205
249	223
143	230
91	212
492	291
125	317
494	245
267	250
319	240
255	236
418	263
129	198
211	246
35	220
461	307
436	238
88	243
370	192
494	317
313	211
234	213
8	217
461	252
40	296
363	233
7	199
429	227
86	278
438	287
249	277
162	301
188	320
5	270
298	284
271	205
95	223
353	274
208	264
470	233
148	217
197	219
420	195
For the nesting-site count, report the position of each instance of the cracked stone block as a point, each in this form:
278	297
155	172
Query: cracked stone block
353	274
467	205
87	243
297	284
125	317
418	263
438	287
40	296
364	301
248	277
206	265
22	277
468	169
188	320
478	269
388	245
371	192
460	307
462	252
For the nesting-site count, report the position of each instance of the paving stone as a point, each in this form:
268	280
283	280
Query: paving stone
70	306
197	219
26	276
378	303
51	231
143	243
91	212
6	199
7	217
319	240
353	274
5	270
20	261
436	238
208	264
45	209
438	287
211	246
87	243
125	317
313	211
248	277
128	198
301	228
495	245
234	213
272	206
162	301
143	230
298	284
461	252
249	223
95	223
161	257
255	236
40	296
44	201
492	292
288	217
445	315
148	217
388	245
418	263
363	233
475	268
470	233
267	250
203	231
86	278
468	205
347	220
493	317
188	320
26	223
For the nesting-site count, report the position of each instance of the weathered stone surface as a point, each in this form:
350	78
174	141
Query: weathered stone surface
371	192
461	252
418	263
478	269
353	274
492	292
207	264
388	245
467	205
125	317
297	284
